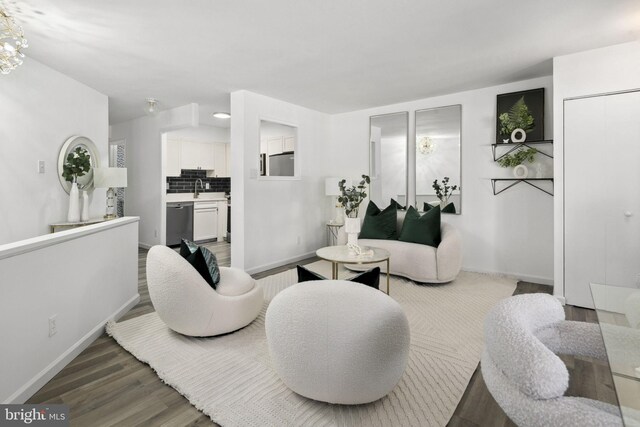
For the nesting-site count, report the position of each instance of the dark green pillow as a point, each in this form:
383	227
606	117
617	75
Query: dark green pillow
368	278
427	207
203	260
398	205
423	229
379	224
450	208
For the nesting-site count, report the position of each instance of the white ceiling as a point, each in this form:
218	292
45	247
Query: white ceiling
331	55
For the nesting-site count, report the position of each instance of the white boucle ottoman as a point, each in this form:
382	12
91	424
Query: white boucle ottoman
337	341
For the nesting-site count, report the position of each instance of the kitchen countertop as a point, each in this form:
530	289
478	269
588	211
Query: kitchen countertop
188	197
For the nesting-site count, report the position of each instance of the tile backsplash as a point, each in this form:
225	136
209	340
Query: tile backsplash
186	182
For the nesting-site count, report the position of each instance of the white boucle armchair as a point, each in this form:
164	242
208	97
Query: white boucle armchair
420	263
523	374
188	305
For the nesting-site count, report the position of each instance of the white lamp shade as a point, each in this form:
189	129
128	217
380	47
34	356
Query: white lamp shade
110	177
331	186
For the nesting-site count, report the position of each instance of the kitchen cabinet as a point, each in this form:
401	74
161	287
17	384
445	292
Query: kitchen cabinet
197	155
205	221
222	220
274	145
220	159
289	144
173	163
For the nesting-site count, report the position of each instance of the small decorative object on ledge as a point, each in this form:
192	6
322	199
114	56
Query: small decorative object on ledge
444	191
520	116
351	198
517	160
78	163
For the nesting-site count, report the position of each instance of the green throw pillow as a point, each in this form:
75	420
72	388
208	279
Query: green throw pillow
450	208
398	205
423	229
203	260
427	207
379	224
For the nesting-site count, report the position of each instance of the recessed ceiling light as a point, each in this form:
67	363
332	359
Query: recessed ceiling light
221	115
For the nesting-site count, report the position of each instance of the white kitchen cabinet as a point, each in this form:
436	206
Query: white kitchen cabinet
173	156
274	145
220	159
601	202
205	221
197	155
289	144
222	220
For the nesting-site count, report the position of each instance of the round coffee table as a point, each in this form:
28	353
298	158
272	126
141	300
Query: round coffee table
342	255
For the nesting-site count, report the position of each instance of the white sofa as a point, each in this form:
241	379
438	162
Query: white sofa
420	263
188	305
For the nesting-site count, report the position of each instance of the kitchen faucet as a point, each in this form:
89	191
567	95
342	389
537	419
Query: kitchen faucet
196	193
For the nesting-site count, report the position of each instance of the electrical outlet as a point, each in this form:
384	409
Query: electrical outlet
40	166
207	186
53	327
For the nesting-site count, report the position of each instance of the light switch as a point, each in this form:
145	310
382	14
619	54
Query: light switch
40	166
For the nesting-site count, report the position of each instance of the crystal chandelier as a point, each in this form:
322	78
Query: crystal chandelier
12	42
426	145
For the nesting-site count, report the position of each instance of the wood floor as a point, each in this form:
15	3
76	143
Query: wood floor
105	385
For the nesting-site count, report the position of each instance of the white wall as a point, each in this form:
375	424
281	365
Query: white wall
83	276
40	108
276	221
510	233
146	183
202	134
610	69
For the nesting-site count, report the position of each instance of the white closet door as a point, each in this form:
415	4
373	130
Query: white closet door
602	193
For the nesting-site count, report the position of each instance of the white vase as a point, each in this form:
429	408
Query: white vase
73	215
352	228
85	207
521	172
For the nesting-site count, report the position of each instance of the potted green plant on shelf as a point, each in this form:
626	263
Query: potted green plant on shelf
351	198
444	191
517	159
516	123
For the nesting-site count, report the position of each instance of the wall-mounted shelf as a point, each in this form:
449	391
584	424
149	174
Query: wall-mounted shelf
513	146
515	181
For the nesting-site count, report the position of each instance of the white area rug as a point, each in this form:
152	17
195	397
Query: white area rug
231	379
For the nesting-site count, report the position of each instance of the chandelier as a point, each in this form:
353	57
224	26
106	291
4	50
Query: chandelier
426	145
12	42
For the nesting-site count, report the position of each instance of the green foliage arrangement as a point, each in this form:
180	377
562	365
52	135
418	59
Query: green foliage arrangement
518	157
444	191
517	117
78	164
352	196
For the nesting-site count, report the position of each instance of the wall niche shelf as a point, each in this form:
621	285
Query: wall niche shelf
534	182
513	146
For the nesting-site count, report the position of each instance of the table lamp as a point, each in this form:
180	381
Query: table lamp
332	189
110	178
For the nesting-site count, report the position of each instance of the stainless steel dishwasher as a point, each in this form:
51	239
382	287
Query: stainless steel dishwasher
179	222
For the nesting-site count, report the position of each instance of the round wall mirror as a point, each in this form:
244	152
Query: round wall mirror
85	182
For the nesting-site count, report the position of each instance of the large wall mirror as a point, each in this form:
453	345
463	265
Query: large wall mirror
388	136
438	138
278	149
86	145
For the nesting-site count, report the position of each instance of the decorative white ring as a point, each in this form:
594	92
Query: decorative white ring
520	171
518	135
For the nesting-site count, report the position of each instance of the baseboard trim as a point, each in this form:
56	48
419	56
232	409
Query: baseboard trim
524	277
44	376
265	267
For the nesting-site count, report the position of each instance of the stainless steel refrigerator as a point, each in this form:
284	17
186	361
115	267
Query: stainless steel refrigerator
281	165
